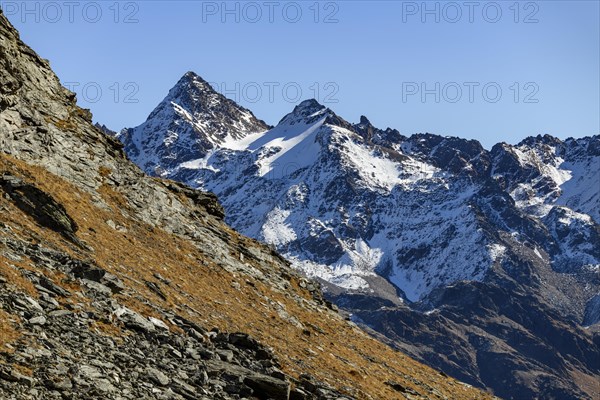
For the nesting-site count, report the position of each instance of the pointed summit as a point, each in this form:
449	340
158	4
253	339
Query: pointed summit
193	92
364	120
308	107
192	76
192	81
192	120
310	111
307	112
388	138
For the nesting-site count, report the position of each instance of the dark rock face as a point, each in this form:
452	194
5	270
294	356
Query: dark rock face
371	134
325	244
207	201
105	129
592	311
94	273
39	205
455	155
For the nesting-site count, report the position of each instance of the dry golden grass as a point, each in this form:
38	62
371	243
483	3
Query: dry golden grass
105	329
334	352
8	333
8	269
588	383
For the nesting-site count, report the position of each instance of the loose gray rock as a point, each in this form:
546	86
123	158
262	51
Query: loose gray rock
157	377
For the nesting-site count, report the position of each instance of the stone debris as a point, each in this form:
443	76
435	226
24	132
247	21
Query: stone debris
148	360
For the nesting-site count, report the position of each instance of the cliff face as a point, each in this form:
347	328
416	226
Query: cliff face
117	285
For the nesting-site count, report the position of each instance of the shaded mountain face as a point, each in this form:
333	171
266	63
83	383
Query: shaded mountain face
481	263
114	284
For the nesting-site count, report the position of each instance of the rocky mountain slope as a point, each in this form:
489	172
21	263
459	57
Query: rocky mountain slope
485	264
116	285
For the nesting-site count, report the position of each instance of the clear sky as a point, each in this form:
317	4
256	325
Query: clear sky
493	71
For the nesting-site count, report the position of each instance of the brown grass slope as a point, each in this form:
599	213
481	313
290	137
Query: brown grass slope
139	228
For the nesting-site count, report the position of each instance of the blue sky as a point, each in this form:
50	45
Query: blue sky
492	71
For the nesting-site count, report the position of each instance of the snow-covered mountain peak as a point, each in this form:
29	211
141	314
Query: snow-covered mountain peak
195	100
307	107
191	121
543	171
310	111
192	79
306	112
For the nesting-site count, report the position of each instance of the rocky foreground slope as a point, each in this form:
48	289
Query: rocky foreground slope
482	263
116	285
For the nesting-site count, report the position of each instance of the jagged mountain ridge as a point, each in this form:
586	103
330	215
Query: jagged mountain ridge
382	218
379	163
118	285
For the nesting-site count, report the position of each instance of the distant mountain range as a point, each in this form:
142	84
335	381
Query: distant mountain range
482	263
